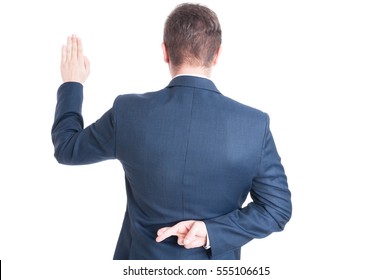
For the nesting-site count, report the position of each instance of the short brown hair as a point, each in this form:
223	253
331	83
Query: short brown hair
192	35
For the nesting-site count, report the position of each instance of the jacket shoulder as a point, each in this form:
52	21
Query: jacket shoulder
246	110
132	100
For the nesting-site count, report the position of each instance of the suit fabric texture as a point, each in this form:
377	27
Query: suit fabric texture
188	153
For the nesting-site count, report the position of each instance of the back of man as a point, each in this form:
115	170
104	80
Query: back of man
189	154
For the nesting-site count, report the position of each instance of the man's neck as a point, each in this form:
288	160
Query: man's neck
191	70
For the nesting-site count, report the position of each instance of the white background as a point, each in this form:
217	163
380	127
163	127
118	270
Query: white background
321	69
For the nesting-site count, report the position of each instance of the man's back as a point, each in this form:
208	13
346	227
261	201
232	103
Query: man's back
189	153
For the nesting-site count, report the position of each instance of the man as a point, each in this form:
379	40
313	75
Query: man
190	155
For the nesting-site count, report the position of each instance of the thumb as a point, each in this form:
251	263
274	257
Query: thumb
87	64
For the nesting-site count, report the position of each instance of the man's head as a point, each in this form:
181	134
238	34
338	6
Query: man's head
192	37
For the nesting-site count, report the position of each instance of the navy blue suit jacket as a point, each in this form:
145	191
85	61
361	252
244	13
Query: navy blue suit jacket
188	152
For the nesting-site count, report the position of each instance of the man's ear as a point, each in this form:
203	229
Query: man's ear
217	55
165	53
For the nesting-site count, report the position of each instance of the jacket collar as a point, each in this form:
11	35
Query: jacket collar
193	81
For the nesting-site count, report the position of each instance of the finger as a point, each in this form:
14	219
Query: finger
161	230
166	232
69	48
191	235
74	47
63	54
198	242
79	48
180	240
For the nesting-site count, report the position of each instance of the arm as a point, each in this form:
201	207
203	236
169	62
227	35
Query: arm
73	144
269	212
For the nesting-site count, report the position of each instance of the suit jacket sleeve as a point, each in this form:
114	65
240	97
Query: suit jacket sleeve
73	144
269	211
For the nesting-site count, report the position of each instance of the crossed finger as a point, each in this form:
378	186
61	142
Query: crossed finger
166	232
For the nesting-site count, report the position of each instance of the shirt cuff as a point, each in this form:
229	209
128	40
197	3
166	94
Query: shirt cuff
208	245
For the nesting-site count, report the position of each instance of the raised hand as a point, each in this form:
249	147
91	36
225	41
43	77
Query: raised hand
75	67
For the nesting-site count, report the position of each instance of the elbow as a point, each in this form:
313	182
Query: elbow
63	156
61	159
283	216
283	221
63	151
278	215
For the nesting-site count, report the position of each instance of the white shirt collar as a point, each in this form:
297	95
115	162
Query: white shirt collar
184	74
